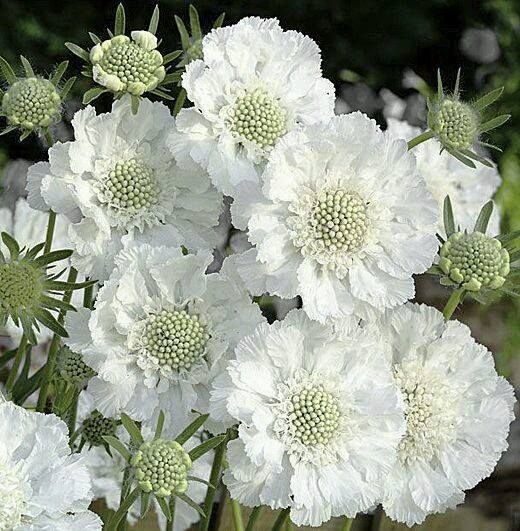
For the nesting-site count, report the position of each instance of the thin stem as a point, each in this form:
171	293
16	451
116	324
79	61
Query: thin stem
288	525
51	223
125	489
237	515
16	364
253	517
347	524
73	413
48	138
420	139
169	523
280	521
453	302
87	296
122	511
53	350
214	480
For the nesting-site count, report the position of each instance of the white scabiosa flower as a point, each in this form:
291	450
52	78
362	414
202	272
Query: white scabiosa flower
343	220
27	226
42	486
457	408
254	84
160	330
117	179
319	419
469	188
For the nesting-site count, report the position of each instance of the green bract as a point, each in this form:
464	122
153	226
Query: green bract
458	125
29	288
32	103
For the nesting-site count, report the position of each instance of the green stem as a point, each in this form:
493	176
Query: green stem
214	480
73	413
53	350
169	523
237	515
280	521
51	224
48	138
20	351
454	300
87	297
420	139
122	511
125	489
347	524
253	517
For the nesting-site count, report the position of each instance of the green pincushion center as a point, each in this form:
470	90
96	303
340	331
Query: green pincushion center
72	368
175	339
162	467
457	124
20	285
258	117
96	426
31	103
314	415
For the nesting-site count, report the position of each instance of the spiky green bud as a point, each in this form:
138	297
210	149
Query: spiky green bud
72	368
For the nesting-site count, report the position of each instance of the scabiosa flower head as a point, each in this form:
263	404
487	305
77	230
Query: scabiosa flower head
458	125
160	331
318	418
72	369
457	409
43	486
242	108
468	188
118	179
333	221
32	103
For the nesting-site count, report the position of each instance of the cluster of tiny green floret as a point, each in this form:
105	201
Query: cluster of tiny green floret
21	285
456	123
72	368
96	426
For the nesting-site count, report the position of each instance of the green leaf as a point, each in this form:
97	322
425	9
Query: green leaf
456	90
440	90
488	99
164	508
186	434
196	31
29	72
7	130
192	503
509	237
185	38
468	153
93	94
120	22
33	251
179	102
48	320
154	21
145	503
200	480
57	304
53	256
60	71
25	134
11	244
117	445
56	285
160	425
220	20
494	123
78	50
205	447
66	88
168	58
162	94
94	38
28	329
7	71
459	156
132	429
449	220
483	218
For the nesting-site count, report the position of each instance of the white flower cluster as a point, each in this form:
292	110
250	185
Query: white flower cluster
358	398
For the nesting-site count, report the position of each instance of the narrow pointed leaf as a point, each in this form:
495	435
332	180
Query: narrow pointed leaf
449	221
120	22
509	237
200	480
440	90
28	329
457	84
57	304
179	102
490	146
483	218
93	94
183	32
205	447
459	156
494	123
163	94
488	99
7	71
196	32
132	429
56	285
117	445
48	320
66	88
476	157
7	130
164	508
192	503
145	503
29	72
33	251
25	134
78	50
94	38
11	244
160	425
60	71
220	20
191	429
53	256
154	21
168	58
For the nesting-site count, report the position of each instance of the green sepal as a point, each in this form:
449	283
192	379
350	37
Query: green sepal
179	102
56	285
66	87
483	218
132	429
48	320
28	329
7	71
196	31
183	32
471	155
11	244
205	447
160	425
459	156
53	256
93	94
145	503
120	21
78	51
187	433
29	72
57	304
220	20
94	38
192	503
163	504
200	480
154	21
168	58
449	220
494	123
488	99
117	445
